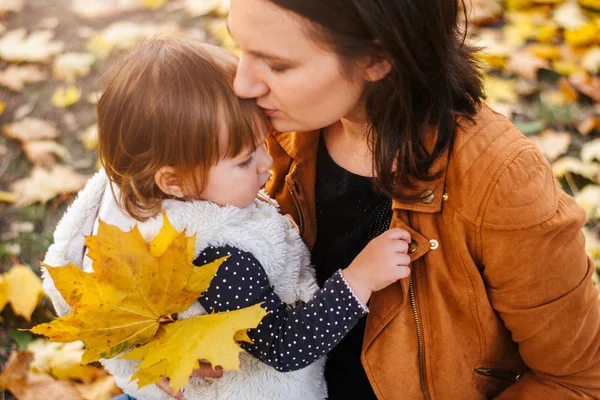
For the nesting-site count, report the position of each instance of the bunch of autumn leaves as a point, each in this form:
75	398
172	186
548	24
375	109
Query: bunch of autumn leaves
129	302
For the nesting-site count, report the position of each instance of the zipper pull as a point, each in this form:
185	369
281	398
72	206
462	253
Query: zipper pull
499	374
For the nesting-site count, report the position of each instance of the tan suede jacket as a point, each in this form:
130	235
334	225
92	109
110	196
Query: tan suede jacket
500	302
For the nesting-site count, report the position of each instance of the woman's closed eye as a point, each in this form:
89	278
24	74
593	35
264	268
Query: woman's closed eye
277	69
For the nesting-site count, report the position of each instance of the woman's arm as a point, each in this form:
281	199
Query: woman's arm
291	336
539	281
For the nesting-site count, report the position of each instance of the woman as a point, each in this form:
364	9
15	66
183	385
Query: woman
382	104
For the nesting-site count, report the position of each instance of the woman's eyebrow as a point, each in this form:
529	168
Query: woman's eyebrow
259	53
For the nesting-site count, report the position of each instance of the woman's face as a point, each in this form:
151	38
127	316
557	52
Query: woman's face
298	82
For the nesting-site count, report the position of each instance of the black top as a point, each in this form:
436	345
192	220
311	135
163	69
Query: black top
291	336
349	214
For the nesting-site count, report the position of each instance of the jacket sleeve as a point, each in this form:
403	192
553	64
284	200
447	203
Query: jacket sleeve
539	280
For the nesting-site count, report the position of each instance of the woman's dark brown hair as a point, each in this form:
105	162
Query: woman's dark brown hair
170	102
434	76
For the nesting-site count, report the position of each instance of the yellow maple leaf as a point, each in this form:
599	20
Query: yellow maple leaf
129	294
176	350
22	288
130	297
153	4
65	96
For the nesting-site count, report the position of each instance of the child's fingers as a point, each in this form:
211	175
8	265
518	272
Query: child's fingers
206	371
400	246
398	234
163	385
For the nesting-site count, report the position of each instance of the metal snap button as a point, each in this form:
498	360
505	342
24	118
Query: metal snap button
445	197
413	246
427	196
434	244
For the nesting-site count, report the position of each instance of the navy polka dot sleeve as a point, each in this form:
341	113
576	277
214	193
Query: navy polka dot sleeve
291	336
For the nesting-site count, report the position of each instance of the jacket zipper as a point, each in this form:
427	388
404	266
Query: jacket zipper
413	302
300	216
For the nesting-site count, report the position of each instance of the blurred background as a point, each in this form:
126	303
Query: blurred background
542	70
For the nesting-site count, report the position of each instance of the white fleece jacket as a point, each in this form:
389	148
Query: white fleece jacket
258	229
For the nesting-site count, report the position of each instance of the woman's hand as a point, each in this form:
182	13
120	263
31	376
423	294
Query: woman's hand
382	262
205	370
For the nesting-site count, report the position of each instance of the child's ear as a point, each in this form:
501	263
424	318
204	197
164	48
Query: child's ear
168	181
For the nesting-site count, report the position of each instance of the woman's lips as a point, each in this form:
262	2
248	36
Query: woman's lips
269	112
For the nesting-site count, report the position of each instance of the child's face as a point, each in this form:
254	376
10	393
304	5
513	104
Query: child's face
236	181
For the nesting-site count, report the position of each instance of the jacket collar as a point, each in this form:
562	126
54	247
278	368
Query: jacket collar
302	147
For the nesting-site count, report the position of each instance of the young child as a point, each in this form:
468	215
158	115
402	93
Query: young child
173	136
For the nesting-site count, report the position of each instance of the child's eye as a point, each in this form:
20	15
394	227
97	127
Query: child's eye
247	162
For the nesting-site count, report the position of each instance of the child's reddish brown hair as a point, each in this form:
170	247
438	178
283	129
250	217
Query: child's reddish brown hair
167	103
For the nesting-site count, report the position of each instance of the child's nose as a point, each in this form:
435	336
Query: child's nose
266	159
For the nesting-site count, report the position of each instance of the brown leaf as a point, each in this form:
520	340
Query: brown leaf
45	152
103	388
11	5
588	85
69	66
43	185
526	65
14	376
15	45
552	144
15	78
31	386
29	129
588	124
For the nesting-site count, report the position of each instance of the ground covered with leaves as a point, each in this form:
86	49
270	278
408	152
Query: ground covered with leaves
542	70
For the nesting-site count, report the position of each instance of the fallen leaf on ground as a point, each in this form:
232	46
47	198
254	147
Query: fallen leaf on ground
587	198
588	85
61	360
43	185
484	12
574	165
15	77
102	388
526	66
64	97
45	152
29	129
569	15
69	66
11	5
591	152
153	4
15	45
89	137
103	8
8	197
26	385
499	90
552	144
591	61
588	124
23	290
197	8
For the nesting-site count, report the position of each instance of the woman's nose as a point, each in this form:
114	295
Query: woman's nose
247	84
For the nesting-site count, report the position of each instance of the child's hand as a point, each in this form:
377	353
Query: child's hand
382	262
205	370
